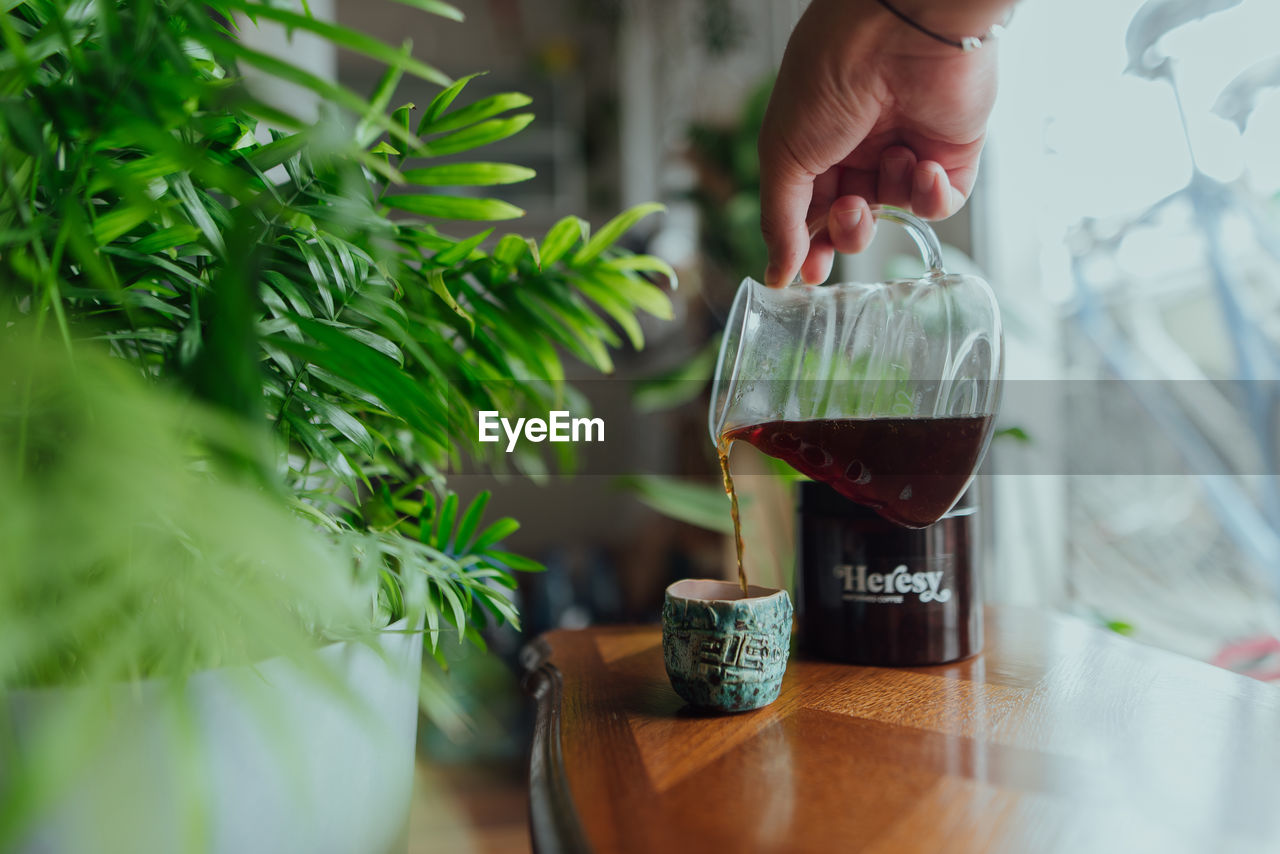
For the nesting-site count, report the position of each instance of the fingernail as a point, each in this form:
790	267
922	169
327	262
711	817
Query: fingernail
772	275
849	219
898	160
924	180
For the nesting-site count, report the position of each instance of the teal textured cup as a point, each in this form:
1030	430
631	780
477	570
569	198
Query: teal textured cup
725	651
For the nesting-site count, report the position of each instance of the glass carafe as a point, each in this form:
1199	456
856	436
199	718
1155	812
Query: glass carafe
886	391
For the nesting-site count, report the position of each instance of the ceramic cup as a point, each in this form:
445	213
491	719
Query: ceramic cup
725	651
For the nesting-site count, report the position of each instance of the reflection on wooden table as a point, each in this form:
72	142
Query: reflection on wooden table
1059	737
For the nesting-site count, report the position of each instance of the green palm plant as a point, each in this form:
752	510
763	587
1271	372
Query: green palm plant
137	210
300	281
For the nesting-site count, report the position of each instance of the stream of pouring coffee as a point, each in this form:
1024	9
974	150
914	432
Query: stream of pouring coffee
722	450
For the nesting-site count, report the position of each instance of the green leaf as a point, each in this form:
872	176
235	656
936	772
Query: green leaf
337	383
495	533
584	341
635	291
189	342
460	250
510	249
166	238
435	279
1016	433
476	639
136	172
472	113
441	102
516	562
612	230
561	237
288	289
400	117
435	7
159	261
201	209
119	221
534	252
374	373
470	521
390	588
469	174
77	233
501	609
457	612
496	574
454	207
485	133
278	151
701	504
444	522
426	519
645	264
433	625
20	122
341	420
371	339
616	307
322	449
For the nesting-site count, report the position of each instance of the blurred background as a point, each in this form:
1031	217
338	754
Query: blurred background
1127	216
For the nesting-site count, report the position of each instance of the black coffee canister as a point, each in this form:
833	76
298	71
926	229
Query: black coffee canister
872	592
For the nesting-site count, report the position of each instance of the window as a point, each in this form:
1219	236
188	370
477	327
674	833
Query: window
1129	221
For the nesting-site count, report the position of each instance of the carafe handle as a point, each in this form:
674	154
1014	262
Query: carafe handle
921	232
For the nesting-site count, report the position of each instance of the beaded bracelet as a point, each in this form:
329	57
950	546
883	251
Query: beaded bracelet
966	44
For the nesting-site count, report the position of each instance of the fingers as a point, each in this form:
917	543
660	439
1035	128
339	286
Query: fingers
838	198
962	177
921	186
817	266
897	170
817	263
849	228
932	195
850	224
785	194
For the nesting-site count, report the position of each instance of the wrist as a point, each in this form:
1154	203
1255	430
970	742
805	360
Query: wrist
944	20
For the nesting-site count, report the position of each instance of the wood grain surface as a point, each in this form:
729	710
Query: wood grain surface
1059	737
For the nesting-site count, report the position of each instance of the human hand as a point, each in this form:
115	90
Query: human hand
867	110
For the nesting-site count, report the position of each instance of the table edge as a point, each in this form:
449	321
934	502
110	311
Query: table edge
554	825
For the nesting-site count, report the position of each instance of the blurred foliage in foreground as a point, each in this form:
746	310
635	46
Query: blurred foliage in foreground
126	553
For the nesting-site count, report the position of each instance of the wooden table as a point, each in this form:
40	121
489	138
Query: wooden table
1059	737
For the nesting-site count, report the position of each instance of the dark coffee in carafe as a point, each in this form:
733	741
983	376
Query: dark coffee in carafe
909	470
873	592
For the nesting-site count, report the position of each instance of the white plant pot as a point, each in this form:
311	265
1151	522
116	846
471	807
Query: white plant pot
285	765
